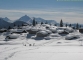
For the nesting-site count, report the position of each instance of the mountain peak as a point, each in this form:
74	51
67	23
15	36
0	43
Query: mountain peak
6	18
25	18
25	15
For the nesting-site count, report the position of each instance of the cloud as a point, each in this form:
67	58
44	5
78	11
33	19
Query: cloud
72	15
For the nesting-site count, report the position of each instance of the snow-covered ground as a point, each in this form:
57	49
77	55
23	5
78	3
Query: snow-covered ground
52	47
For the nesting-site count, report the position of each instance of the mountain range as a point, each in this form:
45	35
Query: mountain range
29	20
6	22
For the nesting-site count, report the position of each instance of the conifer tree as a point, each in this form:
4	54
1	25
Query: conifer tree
46	22
9	27
77	26
41	23
66	25
69	25
34	23
55	24
61	23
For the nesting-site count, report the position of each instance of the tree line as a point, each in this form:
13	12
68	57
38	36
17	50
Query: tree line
61	24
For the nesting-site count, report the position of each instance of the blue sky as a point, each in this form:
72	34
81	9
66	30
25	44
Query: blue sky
67	10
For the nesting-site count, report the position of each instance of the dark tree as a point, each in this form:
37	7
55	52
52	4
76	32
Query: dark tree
9	27
41	23
73	27
69	25
61	23
34	23
46	22
66	25
77	26
55	24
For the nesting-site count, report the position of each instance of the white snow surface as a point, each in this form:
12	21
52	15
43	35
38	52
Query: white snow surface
68	29
57	48
43	32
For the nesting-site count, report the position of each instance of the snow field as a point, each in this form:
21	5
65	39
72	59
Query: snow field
52	47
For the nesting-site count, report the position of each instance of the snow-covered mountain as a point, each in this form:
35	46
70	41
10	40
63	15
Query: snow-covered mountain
7	19
29	20
25	19
4	23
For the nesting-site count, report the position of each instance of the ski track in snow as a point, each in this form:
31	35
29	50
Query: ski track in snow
8	49
15	52
38	46
12	54
14	49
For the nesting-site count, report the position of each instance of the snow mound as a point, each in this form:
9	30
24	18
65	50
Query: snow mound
45	25
63	32
12	36
47	38
53	29
42	34
33	30
28	28
48	31
68	29
18	30
3	30
54	35
72	37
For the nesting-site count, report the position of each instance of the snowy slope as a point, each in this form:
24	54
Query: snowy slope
48	50
30	47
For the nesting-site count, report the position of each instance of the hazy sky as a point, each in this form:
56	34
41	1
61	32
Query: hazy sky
68	10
